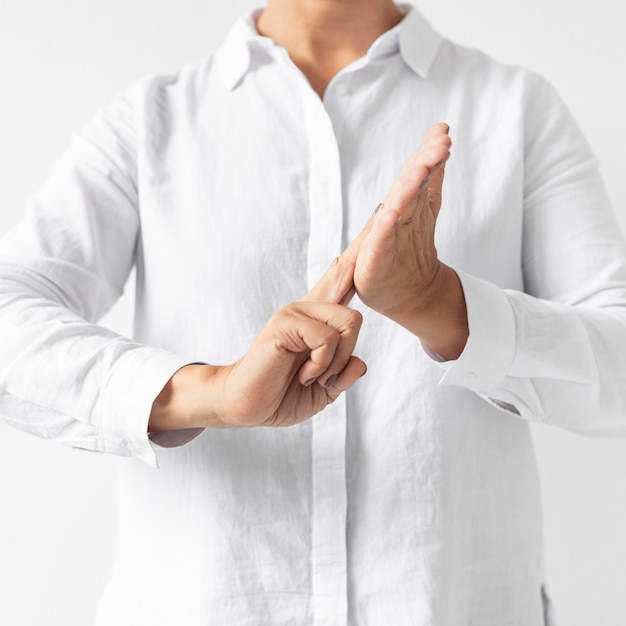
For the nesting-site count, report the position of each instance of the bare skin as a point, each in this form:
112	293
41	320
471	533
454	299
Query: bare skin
323	36
302	360
398	272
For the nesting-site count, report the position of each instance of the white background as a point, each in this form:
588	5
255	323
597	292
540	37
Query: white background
60	60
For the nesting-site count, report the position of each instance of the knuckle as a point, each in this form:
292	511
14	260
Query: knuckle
336	262
330	336
292	307
287	311
278	319
274	320
355	319
341	262
352	322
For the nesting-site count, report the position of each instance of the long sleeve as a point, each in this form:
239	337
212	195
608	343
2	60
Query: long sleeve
62	377
556	353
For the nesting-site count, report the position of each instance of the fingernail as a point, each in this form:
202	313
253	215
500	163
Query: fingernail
331	381
309	382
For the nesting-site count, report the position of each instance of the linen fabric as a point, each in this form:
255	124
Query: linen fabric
231	186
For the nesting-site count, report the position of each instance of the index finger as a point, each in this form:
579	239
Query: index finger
336	285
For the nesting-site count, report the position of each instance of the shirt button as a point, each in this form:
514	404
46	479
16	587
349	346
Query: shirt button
471	376
341	89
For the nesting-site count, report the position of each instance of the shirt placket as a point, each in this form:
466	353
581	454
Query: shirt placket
329	560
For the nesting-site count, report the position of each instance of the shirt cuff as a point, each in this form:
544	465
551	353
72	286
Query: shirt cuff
174	438
138	378
490	348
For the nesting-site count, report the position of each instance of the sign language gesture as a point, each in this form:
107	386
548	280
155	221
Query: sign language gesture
302	359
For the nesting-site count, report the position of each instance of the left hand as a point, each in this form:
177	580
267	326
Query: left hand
393	263
397	268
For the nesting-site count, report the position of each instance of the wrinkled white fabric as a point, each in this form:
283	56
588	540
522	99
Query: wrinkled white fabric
414	498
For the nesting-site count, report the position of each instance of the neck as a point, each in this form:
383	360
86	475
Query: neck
323	36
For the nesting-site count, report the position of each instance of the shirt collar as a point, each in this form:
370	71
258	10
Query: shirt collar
414	37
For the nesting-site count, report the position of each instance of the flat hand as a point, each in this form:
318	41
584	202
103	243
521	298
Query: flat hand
397	265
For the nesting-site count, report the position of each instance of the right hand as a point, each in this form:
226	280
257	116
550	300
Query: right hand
300	362
302	359
308	340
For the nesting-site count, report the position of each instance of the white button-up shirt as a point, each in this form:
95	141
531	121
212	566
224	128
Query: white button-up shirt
231	186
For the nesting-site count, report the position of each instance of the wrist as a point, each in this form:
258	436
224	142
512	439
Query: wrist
439	316
190	399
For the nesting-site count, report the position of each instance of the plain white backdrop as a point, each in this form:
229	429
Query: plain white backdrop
60	60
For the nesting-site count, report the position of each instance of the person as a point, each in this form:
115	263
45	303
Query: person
487	291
